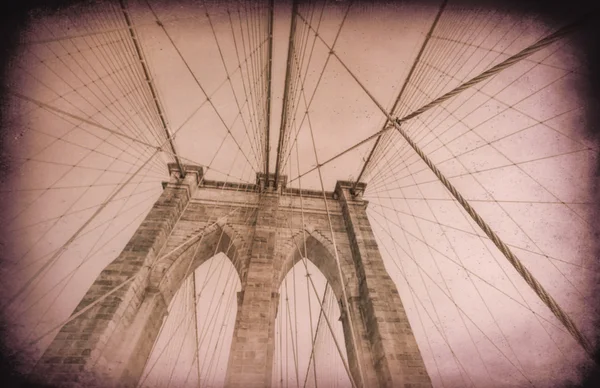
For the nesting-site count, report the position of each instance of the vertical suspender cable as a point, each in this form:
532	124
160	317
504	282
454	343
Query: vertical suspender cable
288	81
269	80
196	324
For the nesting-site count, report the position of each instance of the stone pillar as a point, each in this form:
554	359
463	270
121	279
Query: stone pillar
364	357
85	351
131	348
395	355
251	356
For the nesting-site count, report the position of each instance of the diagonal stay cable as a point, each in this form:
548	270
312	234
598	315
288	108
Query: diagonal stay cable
483	76
73	237
114	108
458	264
327	321
422	126
210	101
402	90
425	72
90	251
229	79
109	56
548	191
445	283
540	44
450	299
101	207
461	264
320	78
516	263
411	253
60	112
150	84
51	107
135	218
76	117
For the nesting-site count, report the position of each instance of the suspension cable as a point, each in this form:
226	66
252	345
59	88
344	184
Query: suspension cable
153	91
531	281
560	33
286	91
269	91
506	251
402	90
540	44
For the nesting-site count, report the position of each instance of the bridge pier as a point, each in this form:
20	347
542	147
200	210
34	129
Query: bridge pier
91	348
252	347
395	355
109	344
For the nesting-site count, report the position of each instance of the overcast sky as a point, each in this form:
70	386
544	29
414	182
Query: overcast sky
514	146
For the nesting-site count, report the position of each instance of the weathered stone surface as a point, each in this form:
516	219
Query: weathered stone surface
264	230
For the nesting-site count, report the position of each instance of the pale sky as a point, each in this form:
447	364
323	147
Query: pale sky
515	146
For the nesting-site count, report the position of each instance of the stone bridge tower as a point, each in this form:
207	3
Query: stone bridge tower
110	337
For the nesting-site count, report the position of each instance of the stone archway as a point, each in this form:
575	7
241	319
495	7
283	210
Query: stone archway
131	346
320	252
109	336
169	272
212	287
108	339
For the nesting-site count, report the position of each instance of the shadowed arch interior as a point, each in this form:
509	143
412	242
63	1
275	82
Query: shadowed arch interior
320	252
179	333
315	355
170	272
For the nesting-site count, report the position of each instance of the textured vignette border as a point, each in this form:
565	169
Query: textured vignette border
15	16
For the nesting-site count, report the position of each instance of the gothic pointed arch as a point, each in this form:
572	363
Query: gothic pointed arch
112	331
170	271
214	277
321	252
